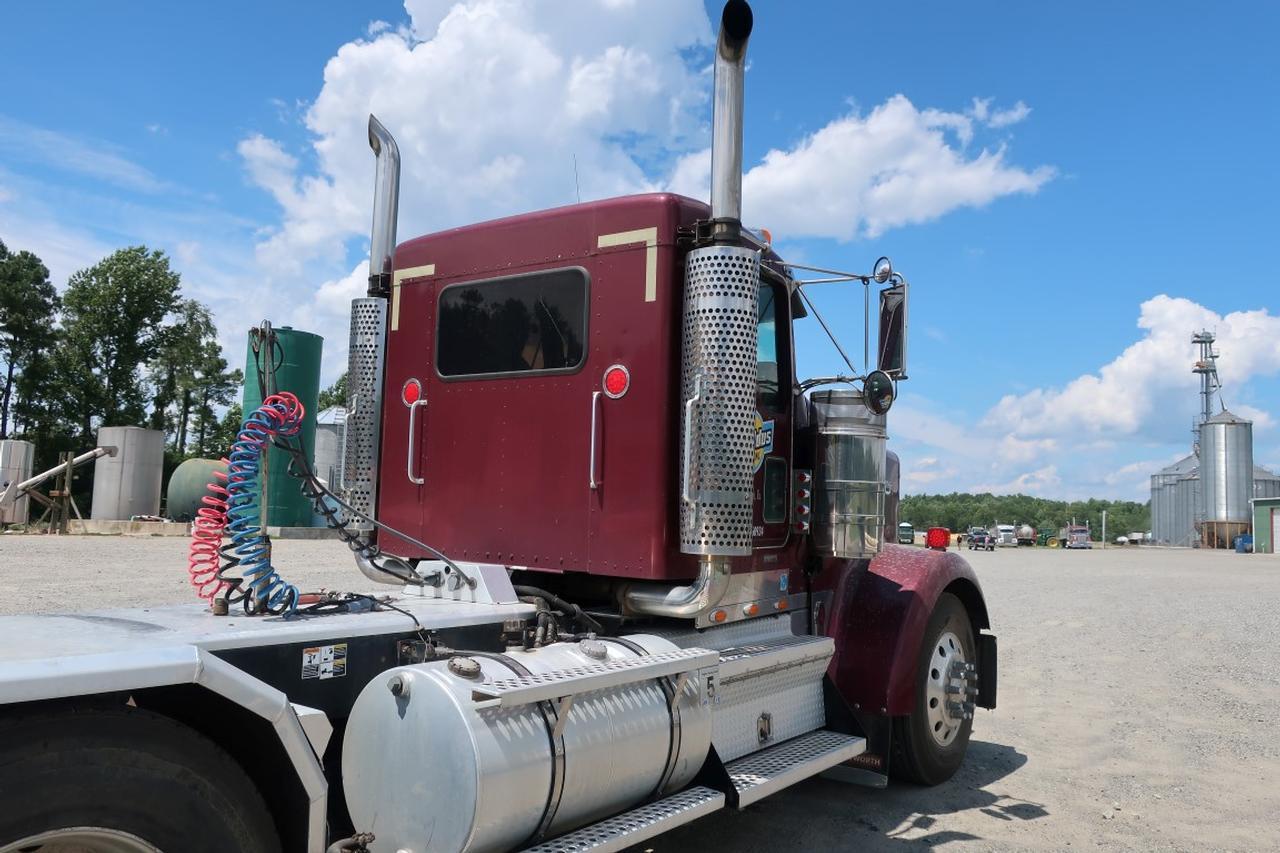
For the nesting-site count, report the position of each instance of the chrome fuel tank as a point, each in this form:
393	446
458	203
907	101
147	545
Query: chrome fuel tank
426	766
849	487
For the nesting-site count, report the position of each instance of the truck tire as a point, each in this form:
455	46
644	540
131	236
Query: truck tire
124	780
929	745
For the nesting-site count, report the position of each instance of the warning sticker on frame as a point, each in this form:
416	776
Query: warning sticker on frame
324	661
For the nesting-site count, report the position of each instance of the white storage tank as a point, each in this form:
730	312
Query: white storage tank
128	483
16	460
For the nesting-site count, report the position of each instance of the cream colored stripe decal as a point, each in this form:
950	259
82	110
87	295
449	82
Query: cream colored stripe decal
396	278
648	236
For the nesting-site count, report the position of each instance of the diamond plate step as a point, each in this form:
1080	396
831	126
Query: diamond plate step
539	687
770	770
773	654
618	833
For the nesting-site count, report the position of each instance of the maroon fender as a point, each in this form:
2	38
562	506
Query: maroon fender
878	615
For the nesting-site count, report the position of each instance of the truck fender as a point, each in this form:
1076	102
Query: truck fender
878	616
141	671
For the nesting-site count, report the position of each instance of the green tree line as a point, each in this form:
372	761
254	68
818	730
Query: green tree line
119	346
959	511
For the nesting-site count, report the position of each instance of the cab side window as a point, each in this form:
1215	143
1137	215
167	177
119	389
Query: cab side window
770	342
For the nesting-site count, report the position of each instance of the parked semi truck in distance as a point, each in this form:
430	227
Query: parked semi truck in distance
632	567
906	533
1006	536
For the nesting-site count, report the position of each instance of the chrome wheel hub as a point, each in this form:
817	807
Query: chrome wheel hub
82	839
950	685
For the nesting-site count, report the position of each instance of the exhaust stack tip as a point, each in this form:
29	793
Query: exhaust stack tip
736	22
386	204
735	28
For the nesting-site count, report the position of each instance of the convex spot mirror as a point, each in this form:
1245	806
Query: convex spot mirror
878	391
892	353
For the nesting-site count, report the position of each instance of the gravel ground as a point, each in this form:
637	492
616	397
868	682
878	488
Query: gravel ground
1139	701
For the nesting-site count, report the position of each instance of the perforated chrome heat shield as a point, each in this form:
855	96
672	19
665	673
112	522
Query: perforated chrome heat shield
718	393
364	406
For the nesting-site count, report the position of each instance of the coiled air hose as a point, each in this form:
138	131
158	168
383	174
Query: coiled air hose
234	509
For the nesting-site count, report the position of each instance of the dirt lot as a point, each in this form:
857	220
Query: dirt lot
1139	702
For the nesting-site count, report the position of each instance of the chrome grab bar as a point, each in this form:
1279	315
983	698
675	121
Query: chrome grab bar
413	409
591	463
688	436
346	424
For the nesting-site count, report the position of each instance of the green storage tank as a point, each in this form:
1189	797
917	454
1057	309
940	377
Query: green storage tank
298	372
188	484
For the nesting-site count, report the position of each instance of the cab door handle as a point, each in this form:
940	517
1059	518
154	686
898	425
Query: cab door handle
413	434
592	482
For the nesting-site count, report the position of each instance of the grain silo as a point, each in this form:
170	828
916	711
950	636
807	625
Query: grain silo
1204	499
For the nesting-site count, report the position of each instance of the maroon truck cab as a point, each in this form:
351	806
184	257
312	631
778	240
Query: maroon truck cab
518	453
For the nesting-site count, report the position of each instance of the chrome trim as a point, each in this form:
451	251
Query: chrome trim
693	400
389	569
413	422
386	203
681	602
592	482
726	116
607	371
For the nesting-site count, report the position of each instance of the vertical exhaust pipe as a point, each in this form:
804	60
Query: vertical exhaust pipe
726	117
718	367
368	343
386	207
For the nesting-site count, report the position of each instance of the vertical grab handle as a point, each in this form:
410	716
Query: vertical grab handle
591	461
413	434
688	437
346	431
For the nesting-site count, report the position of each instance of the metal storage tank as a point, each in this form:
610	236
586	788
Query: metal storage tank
1226	468
1265	483
328	462
16	460
1157	506
128	483
298	373
188	485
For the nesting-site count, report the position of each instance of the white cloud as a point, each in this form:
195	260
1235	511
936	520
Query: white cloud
490	101
22	142
1044	482
1150	378
862	175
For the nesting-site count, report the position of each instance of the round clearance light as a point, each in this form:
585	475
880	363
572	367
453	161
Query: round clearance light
411	392
617	379
937	538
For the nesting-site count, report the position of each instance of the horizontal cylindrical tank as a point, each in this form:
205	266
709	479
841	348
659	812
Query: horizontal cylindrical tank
429	762
297	370
16	460
849	480
1226	468
128	483
189	485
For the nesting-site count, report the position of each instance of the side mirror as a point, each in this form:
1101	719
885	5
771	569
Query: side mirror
878	392
892	354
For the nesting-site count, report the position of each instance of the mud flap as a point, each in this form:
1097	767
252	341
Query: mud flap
871	768
986	671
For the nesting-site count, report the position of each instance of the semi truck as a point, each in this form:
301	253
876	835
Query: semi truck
619	566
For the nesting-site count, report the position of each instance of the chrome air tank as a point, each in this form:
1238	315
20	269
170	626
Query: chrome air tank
427	767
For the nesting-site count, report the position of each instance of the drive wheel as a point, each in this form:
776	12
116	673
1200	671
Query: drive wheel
930	744
123	780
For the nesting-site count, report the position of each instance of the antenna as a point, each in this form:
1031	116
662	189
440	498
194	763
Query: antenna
576	188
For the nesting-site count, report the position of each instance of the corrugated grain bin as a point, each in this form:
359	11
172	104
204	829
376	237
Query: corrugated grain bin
188	484
16	459
128	483
298	372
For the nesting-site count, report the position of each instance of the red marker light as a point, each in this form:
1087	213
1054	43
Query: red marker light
617	379
411	392
937	538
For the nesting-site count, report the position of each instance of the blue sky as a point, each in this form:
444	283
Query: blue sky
1117	168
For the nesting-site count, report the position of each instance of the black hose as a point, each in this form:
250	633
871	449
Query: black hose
556	601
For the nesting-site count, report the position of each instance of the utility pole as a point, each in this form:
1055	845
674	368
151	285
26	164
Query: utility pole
1104	528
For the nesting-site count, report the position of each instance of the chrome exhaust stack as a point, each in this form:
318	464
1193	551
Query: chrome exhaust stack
368	342
718	371
726	118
